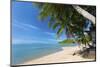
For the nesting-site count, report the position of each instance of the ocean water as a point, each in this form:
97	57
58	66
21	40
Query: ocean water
25	52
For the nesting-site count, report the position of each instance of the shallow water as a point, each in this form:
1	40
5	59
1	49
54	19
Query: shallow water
25	52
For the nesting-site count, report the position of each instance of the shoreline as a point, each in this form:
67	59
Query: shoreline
62	56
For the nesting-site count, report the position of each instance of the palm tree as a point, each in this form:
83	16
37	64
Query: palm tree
84	13
70	19
62	15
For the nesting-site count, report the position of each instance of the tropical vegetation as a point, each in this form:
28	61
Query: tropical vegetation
70	19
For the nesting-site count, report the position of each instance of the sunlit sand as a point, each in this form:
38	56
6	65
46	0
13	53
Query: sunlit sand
66	55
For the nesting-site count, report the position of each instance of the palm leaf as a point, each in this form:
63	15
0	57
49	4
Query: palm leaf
49	24
55	26
60	30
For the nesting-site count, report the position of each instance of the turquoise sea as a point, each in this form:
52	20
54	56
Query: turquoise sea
25	52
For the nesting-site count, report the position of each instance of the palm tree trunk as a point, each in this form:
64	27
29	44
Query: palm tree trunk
84	13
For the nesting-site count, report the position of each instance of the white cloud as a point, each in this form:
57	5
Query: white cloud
24	25
25	41
49	33
51	39
21	27
59	40
31	26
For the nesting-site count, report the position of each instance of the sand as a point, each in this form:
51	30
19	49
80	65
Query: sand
66	55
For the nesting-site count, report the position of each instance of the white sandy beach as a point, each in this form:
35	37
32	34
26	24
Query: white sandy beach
62	56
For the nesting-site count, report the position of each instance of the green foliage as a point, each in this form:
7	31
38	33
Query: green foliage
66	18
84	39
60	30
67	41
55	26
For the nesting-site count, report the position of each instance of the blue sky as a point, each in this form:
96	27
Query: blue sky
27	27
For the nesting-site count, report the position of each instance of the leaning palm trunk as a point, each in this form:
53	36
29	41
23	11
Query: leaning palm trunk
84	13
